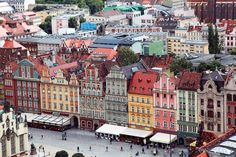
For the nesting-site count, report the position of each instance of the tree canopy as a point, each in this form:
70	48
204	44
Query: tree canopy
47	25
78	155
72	22
39	8
93	5
233	51
210	66
213	40
126	56
180	64
61	153
82	20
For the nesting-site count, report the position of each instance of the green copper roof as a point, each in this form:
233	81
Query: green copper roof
125	8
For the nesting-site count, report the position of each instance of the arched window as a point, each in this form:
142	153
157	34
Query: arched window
229	97
210	103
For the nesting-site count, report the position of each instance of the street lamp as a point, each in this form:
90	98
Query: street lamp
170	139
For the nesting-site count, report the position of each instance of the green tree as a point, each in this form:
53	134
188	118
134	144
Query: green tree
78	155
39	8
217	45
233	51
210	66
47	25
126	56
82	20
95	5
61	153
211	39
180	64
73	22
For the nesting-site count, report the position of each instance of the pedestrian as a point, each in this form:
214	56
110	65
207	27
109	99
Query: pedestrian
90	148
41	136
31	136
121	148
143	150
147	146
110	140
131	147
106	148
137	153
77	148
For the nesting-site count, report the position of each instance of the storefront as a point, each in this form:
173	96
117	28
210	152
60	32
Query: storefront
136	136
163	139
45	121
108	131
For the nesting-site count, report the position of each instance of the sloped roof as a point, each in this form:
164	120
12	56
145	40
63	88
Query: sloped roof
110	53
142	83
11	44
189	81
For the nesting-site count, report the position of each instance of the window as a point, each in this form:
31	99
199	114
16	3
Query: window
142	100
132	118
148	121
202	101
132	99
165	114
22	146
60	97
55	105
210	114
229	97
148	101
218	127
137	109
165	124
143	111
138	119
164	95
210	103
132	108
218	114
171	96
4	147
137	99
61	106
202	112
148	111
13	148
143	120
172	114
54	96
229	121
218	103
172	125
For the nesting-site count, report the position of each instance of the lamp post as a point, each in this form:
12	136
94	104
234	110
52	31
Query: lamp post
170	138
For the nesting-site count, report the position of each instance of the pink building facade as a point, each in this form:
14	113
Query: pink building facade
164	96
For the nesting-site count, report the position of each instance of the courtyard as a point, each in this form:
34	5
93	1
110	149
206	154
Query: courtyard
52	142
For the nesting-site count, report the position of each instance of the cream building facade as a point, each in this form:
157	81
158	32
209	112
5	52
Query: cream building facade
179	45
13	134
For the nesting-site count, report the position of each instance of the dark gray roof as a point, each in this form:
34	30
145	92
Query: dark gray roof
216	76
130	69
102	46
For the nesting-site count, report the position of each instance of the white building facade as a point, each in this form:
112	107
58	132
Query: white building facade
13	135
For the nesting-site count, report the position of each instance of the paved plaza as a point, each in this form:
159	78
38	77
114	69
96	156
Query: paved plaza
52	142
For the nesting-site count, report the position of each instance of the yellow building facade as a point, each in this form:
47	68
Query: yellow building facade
140	100
140	111
58	94
179	45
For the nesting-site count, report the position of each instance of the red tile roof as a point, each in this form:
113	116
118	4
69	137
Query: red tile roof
108	13
204	154
109	53
77	43
160	62
142	82
62	67
12	44
189	81
39	66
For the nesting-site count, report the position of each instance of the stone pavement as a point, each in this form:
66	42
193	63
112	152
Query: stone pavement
52	142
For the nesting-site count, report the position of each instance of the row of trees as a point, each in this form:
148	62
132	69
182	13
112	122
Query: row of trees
93	5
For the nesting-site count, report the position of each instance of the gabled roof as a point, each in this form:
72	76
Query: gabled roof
62	67
108	13
142	82
12	44
189	81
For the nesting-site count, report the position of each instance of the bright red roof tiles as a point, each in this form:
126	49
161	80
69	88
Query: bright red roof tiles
12	44
142	83
62	67
109	53
189	81
204	154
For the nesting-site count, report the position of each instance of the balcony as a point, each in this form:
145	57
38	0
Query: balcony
231	115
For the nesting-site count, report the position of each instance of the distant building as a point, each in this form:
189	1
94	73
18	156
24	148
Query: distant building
179	45
211	10
13	133
21	5
132	29
5	8
153	48
230	40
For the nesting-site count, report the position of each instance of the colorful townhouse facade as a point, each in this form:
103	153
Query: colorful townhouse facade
230	98
212	109
164	97
92	96
60	94
187	106
116	99
22	86
140	100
